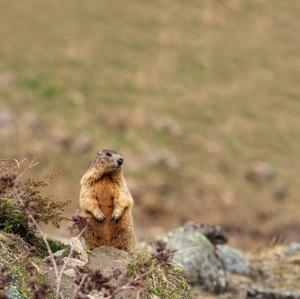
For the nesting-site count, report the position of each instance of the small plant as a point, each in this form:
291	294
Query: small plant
55	246
158	275
39	290
19	199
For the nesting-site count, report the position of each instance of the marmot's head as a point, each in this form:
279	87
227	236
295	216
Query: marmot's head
108	161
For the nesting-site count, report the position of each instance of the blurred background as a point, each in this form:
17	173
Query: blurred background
201	96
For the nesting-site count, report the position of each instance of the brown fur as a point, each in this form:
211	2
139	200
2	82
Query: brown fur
105	197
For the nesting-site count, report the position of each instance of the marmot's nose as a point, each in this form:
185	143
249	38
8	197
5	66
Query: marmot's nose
120	161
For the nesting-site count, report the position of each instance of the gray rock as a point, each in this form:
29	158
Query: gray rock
107	258
79	247
261	171
104	259
259	293
70	273
214	233
293	249
233	260
195	254
59	253
73	263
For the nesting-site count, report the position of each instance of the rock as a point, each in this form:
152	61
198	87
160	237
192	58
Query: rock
233	260
59	253
214	233
261	171
107	258
104	259
70	273
195	254
293	249
259	293
79	248
73	263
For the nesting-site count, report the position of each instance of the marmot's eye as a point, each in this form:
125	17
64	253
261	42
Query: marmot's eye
108	154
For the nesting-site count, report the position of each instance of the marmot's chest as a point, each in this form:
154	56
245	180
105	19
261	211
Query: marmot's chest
106	192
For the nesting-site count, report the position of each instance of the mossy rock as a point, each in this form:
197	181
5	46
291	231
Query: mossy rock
196	255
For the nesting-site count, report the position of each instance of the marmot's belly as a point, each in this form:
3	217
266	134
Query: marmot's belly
107	209
108	233
106	205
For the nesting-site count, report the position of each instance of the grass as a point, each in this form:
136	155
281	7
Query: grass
54	245
225	70
164	281
14	253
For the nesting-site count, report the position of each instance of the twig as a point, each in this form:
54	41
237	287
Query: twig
13	159
18	164
54	264
31	164
77	289
59	279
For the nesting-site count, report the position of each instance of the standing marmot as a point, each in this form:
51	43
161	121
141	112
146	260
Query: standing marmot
105	197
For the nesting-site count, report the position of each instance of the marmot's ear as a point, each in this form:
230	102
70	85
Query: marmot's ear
99	153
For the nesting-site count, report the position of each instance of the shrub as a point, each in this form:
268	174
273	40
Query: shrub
20	200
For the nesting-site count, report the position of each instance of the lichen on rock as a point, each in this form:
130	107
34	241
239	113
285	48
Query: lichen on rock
196	255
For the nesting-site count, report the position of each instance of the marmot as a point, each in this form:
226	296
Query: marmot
105	197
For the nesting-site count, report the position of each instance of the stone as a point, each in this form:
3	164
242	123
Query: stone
59	253
216	234
261	171
196	255
73	263
79	248
260	293
293	249
70	273
233	260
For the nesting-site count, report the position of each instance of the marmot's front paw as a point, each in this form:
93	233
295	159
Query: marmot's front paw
115	217
101	218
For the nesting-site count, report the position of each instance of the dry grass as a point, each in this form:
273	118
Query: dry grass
226	71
